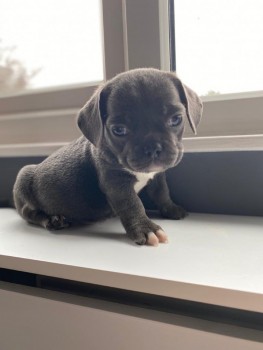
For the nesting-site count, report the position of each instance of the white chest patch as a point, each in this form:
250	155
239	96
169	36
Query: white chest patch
142	180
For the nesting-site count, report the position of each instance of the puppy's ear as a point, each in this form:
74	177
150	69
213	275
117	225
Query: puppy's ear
92	116
192	103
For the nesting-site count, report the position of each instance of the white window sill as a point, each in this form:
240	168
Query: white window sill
191	144
213	259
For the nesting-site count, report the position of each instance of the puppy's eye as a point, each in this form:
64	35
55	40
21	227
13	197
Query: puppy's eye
175	121
119	130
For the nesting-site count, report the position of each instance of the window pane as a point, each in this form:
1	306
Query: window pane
45	43
219	45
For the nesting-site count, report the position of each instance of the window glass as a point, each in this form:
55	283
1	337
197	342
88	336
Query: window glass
49	43
219	45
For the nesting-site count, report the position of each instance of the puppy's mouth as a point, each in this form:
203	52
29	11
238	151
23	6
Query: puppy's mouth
148	168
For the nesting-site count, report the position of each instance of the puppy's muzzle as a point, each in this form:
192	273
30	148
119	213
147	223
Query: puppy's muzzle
153	150
154	155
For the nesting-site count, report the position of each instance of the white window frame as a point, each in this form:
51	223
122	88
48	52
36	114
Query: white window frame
230	122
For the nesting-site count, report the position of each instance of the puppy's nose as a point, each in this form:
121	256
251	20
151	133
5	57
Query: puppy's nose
153	150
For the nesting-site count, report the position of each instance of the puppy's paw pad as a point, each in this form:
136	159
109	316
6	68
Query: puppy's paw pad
57	222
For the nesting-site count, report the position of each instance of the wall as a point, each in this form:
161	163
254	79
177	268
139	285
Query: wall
210	182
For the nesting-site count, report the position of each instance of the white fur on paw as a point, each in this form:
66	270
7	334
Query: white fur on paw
162	236
152	239
155	238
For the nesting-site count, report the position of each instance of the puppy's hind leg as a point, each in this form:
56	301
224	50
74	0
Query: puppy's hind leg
27	206
38	217
34	216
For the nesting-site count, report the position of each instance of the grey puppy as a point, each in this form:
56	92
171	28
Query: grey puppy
133	127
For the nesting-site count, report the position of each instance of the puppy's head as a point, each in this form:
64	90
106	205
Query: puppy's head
139	117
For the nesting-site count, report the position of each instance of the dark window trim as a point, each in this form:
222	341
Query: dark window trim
172	36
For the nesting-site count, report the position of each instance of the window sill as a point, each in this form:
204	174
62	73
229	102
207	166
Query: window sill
224	143
214	259
191	144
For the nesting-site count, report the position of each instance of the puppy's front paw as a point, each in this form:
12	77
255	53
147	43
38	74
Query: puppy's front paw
57	222
147	233
173	211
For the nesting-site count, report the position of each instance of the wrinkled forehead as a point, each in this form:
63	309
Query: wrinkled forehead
139	96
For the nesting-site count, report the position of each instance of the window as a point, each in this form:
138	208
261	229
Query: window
41	116
218	45
49	44
218	53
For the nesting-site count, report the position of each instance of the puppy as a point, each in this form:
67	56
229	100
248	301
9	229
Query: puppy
133	127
